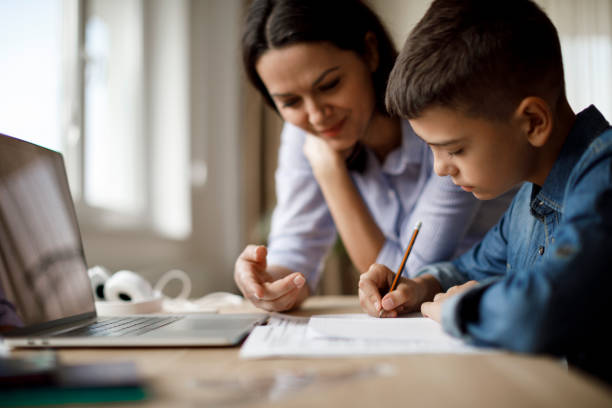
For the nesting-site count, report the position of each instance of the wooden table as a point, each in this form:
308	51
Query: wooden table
199	377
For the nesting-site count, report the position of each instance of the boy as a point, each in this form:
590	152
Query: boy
482	83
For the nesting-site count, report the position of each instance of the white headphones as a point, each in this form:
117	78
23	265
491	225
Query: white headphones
128	286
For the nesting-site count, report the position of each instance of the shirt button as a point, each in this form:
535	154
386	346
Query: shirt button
541	250
541	203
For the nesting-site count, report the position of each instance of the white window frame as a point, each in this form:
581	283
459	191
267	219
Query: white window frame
212	121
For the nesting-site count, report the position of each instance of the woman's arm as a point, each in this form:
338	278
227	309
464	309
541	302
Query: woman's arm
360	234
302	228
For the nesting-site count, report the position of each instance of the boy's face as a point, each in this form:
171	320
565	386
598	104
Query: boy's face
484	157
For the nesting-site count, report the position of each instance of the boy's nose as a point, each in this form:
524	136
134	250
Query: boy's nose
444	168
441	167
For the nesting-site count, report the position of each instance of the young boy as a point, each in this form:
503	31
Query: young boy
482	83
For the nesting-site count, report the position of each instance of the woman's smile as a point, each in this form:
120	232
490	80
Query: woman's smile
332	131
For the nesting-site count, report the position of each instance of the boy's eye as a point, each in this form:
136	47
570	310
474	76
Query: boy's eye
456	152
290	102
329	85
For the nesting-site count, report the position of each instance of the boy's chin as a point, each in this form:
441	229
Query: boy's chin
485	195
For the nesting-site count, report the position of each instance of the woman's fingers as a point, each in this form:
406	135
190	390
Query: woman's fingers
286	301
249	271
276	289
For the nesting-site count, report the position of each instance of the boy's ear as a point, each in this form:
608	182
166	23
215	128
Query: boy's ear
536	120
371	51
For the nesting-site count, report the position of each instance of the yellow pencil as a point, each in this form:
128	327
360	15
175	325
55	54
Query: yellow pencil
401	268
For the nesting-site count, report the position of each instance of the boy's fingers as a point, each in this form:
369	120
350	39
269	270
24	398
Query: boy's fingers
384	313
431	310
379	274
439	296
369	294
402	296
426	308
369	303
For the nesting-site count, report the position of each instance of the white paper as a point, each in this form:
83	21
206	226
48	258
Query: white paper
362	326
350	335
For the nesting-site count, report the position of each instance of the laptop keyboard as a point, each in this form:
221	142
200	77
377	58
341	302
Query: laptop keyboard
132	326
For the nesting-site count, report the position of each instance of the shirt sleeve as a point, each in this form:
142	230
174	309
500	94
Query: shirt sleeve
446	212
302	229
557	305
485	262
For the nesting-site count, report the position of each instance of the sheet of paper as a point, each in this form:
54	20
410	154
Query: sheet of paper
349	336
362	326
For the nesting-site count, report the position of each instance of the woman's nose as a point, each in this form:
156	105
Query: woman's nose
317	112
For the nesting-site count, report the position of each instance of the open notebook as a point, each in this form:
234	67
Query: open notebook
45	295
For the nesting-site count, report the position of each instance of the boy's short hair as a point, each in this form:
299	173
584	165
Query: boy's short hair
480	57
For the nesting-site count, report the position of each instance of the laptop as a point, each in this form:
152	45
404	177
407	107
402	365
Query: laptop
46	299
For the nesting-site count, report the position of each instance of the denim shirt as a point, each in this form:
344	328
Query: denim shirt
544	270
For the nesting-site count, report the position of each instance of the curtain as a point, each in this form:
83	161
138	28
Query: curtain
585	31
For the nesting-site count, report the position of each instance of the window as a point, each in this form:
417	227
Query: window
31	101
113	99
114	158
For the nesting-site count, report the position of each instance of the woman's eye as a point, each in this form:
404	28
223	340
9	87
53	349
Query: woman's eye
329	85
456	152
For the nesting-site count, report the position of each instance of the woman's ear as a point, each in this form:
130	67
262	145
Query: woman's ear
536	120
371	51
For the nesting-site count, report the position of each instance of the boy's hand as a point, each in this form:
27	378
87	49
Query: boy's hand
433	310
407	297
275	290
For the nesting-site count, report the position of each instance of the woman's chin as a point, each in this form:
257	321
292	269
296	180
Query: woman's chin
344	147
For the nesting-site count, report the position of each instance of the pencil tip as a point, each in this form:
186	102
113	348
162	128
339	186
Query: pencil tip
418	226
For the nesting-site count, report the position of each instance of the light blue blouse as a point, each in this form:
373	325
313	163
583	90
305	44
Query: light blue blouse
398	193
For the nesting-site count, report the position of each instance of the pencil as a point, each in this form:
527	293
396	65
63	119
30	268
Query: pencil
401	268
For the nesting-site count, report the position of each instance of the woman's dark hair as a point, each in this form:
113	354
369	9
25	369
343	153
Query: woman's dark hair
343	23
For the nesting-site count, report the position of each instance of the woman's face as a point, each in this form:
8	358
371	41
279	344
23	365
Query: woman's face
326	91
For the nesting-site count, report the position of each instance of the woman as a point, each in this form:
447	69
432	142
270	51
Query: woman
345	166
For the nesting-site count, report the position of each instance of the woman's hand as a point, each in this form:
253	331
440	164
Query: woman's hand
322	158
407	296
275	289
433	310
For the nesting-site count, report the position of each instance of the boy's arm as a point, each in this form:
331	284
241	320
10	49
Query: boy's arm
483	262
555	306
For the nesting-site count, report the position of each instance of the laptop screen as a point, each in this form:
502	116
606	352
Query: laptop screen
43	273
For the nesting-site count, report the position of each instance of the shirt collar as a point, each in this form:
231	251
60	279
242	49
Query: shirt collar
589	124
408	153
